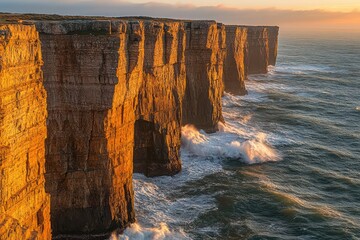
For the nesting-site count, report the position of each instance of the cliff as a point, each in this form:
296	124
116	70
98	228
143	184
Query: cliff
117	92
92	79
249	50
158	128
107	80
262	48
205	53
235	61
273	37
24	205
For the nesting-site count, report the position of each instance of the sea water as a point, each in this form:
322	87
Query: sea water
285	165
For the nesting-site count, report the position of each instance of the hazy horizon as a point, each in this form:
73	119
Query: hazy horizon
334	16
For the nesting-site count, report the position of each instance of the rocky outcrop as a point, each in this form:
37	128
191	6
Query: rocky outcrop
24	205
258	50
101	88
158	128
205	53
262	48
273	36
118	92
92	80
249	50
235	61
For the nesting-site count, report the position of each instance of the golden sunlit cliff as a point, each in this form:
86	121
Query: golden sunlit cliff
84	103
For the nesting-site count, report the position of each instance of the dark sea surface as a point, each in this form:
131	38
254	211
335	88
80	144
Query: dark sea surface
285	166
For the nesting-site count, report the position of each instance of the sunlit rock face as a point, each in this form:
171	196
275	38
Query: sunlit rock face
24	205
262	48
273	36
92	79
205	53
235	61
100	99
158	128
258	50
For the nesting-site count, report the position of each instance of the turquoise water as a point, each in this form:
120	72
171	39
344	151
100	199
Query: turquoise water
285	166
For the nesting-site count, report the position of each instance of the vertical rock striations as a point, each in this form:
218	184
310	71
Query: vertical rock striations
262	48
24	205
258	50
92	78
273	35
158	128
205	53
234	64
118	92
102	87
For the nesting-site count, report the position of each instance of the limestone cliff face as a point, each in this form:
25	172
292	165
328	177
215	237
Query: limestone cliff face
24	205
116	93
262	48
258	50
235	65
92	83
273	36
205	53
158	128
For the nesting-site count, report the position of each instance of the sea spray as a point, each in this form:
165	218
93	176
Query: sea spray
137	232
162	217
227	143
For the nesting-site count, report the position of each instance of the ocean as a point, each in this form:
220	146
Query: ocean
286	165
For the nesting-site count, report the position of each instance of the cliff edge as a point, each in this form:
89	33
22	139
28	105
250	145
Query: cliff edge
85	103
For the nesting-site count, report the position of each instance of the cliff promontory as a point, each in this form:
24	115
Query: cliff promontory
85	103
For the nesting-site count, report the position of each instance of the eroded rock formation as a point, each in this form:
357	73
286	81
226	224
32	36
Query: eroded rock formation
158	128
235	61
249	50
118	92
24	205
262	48
273	36
205	53
92	82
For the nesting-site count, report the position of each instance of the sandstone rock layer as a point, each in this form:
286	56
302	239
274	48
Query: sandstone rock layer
158	128
24	205
262	48
205	53
109	99
235	61
92	83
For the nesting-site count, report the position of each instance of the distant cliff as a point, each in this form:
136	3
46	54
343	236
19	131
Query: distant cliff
114	94
262	48
250	50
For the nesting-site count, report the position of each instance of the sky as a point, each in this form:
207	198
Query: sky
288	14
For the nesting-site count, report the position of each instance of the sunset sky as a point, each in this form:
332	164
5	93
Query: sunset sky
304	14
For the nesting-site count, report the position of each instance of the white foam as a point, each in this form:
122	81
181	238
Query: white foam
160	214
300	69
161	232
228	143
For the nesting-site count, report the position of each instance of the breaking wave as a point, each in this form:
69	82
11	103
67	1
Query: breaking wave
137	232
163	216
228	144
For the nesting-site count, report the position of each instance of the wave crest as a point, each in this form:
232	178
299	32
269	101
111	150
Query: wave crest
137	232
227	144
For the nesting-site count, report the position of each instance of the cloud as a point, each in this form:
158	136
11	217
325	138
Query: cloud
270	16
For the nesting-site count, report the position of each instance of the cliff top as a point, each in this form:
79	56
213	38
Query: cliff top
15	17
18	17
